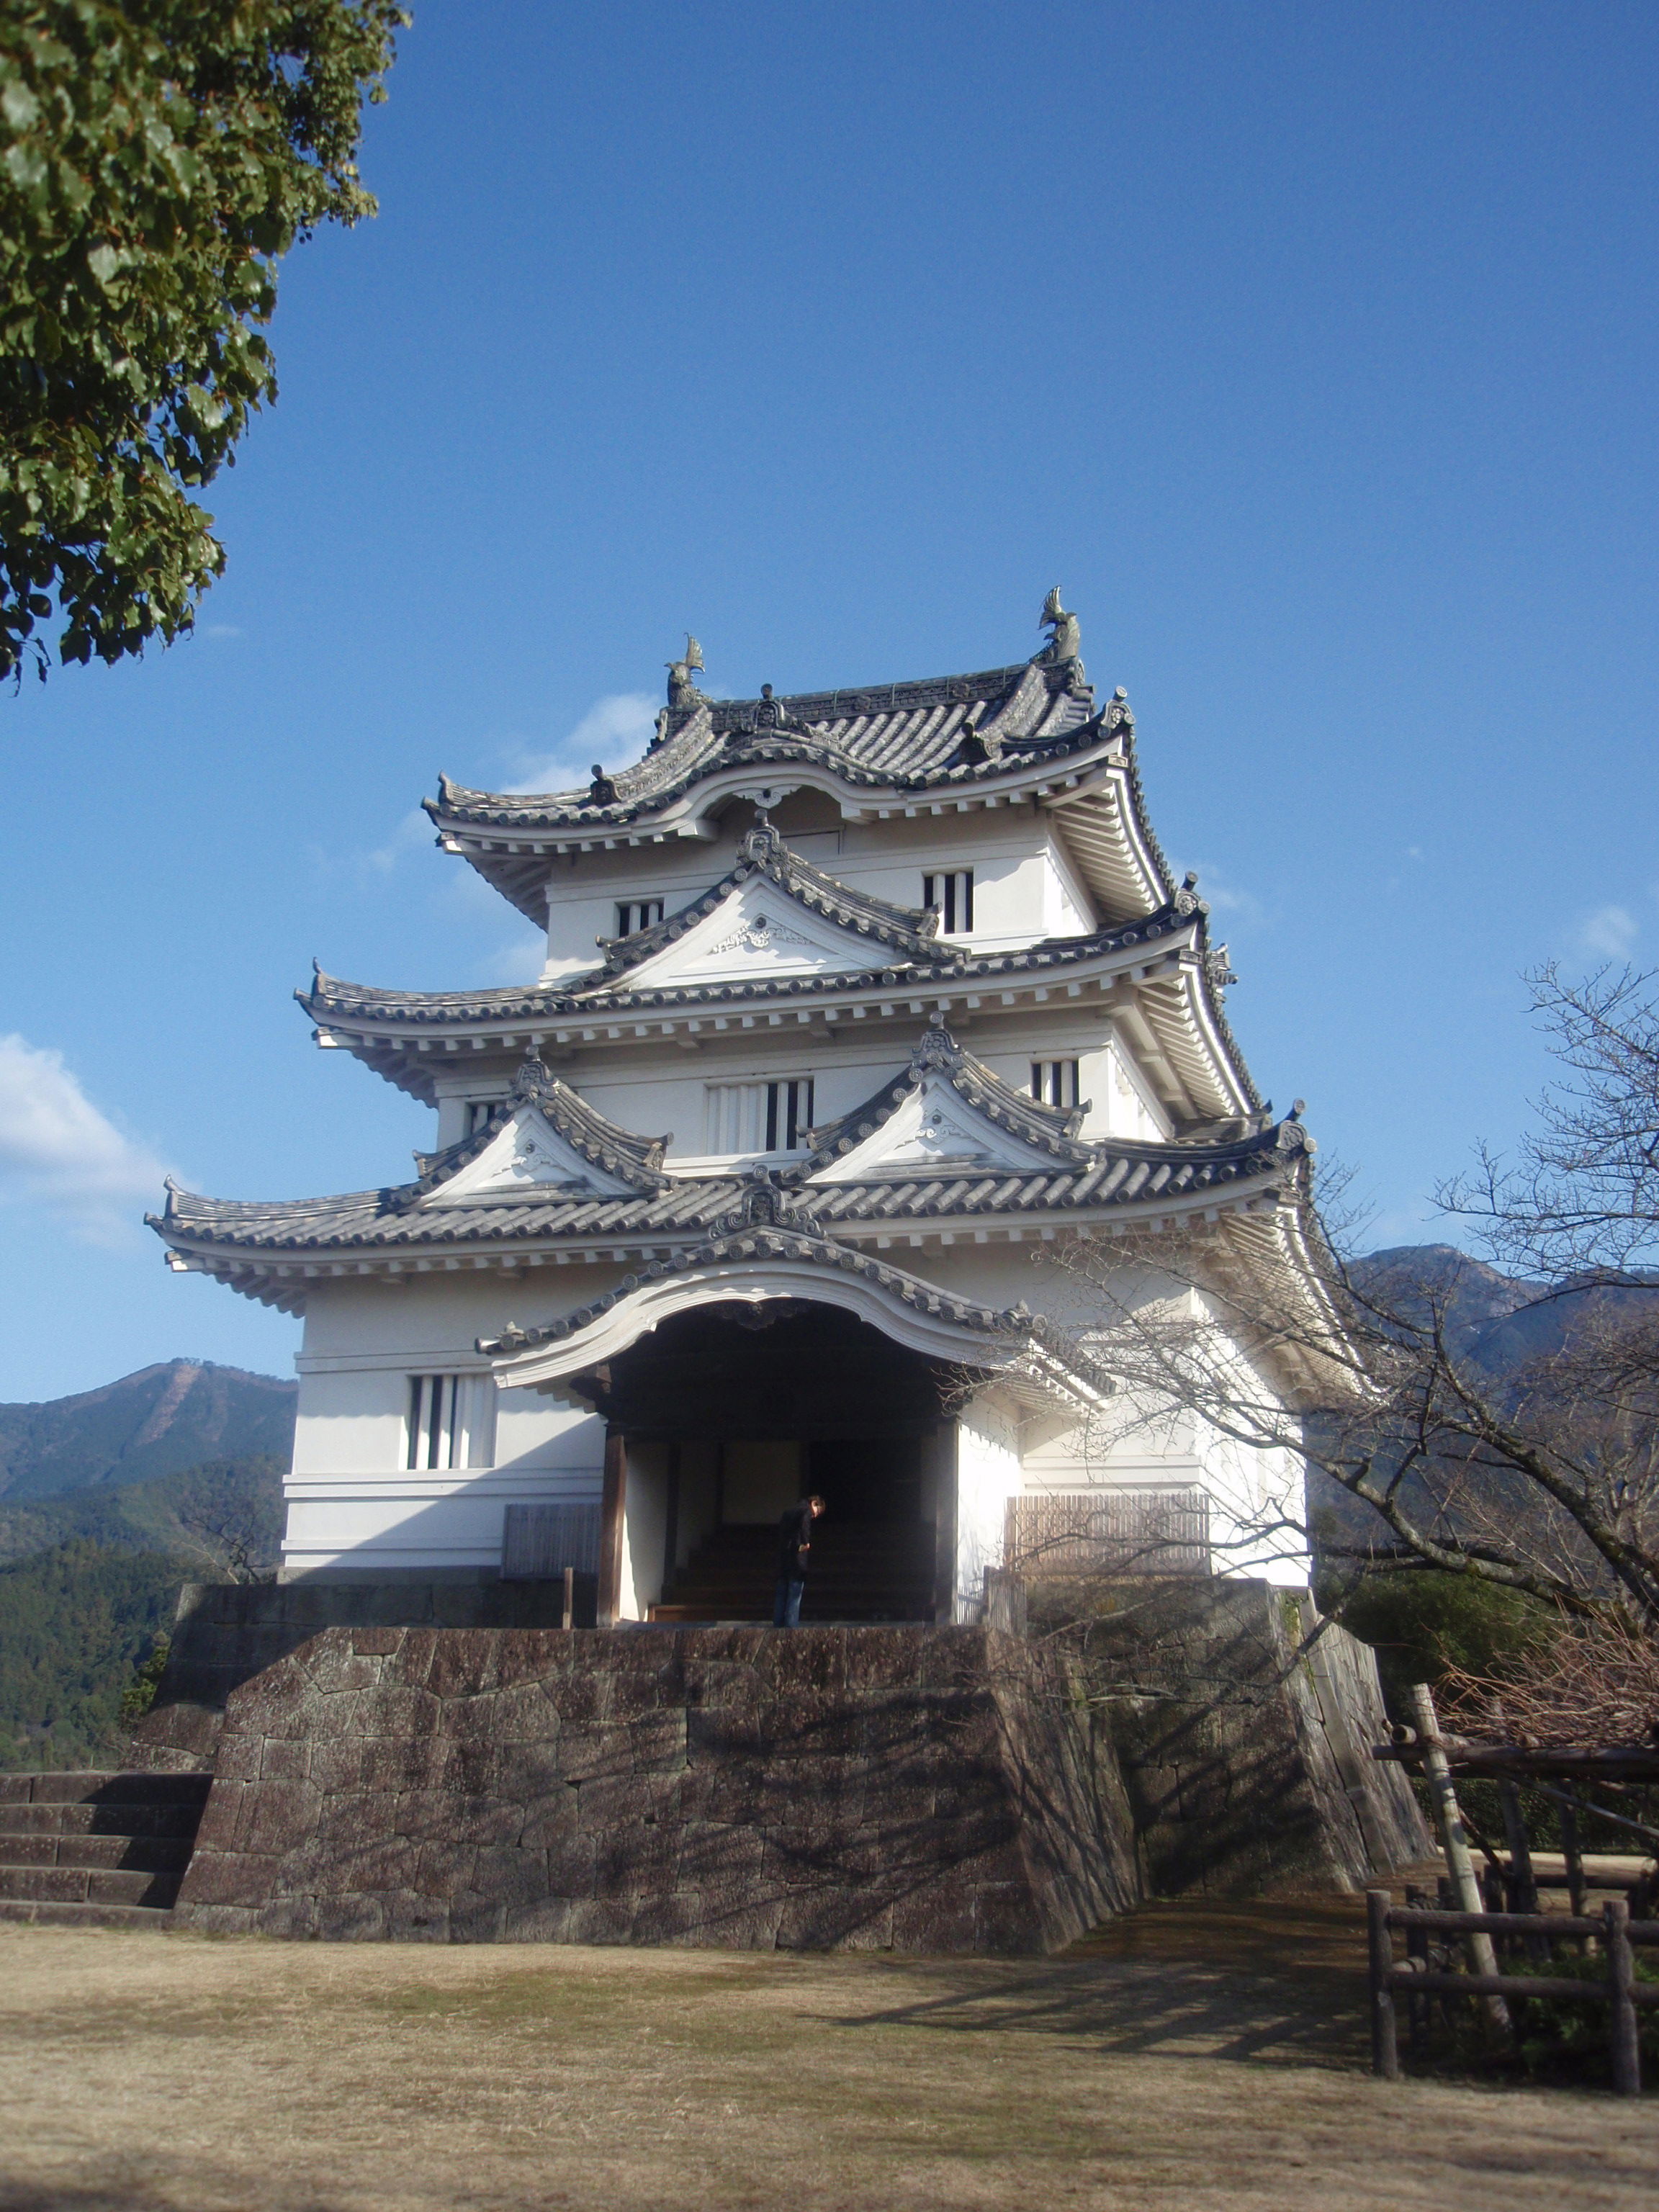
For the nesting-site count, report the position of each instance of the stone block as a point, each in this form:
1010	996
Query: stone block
377	1643
398	1763
1006	1921
548	1817
350	1918
938	1916
276	1816
285	1759
334	1667
601	1920
337	1763
464	1662
345	1825
221	1817
228	1878
506	1874
546	1920
714	1854
609	1802
524	1713
641	1860
474	1919
414	1917
572	1866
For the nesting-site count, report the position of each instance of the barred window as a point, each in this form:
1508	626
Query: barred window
760	1117
478	1111
452	1421
953	895
1054	1082
634	914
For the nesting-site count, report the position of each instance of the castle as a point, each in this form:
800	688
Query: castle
856	1005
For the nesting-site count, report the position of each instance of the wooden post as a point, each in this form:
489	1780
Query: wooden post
612	1503
671	1520
1385	2042
569	1620
1575	1860
1466	1889
1523	1883
1621	1977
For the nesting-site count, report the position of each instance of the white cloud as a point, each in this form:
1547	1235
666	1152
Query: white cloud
1610	932
1219	895
518	962
410	834
613	731
58	1150
220	629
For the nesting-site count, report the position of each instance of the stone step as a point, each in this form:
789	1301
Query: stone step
105	1787
48	1913
149	1854
72	1885
77	1819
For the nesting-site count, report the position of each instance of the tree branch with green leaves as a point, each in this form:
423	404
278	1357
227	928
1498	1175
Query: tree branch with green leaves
157	159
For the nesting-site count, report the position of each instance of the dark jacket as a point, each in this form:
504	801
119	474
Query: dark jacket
794	1537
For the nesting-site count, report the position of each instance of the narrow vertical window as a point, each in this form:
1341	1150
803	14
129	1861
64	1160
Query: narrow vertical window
450	1421
634	915
1054	1082
759	1117
952	893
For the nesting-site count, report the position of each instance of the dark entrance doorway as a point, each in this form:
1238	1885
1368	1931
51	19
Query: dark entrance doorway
730	1413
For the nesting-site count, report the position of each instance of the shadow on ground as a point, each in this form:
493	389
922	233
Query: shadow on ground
1282	1979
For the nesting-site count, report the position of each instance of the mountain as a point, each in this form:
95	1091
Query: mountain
1498	1322
164	1419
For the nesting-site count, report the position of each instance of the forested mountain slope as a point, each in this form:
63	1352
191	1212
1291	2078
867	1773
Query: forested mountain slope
175	1415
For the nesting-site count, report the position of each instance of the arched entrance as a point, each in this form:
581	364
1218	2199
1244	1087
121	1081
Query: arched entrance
723	1415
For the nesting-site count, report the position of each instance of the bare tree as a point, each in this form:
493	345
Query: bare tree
1538	1471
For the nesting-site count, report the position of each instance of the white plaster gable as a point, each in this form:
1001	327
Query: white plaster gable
526	1154
935	1127
757	931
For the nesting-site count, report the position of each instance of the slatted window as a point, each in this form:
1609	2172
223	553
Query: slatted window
760	1117
952	893
450	1421
1054	1082
478	1111
633	914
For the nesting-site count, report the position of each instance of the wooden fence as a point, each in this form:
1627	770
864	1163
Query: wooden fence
1147	1532
1616	1933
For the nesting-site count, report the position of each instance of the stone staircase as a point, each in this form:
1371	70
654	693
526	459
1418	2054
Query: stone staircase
865	1571
101	1849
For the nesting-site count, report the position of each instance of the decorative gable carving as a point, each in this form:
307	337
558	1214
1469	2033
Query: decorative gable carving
526	1154
757	931
936	1127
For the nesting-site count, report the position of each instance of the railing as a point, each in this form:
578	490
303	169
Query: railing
539	1540
1148	1532
1619	1990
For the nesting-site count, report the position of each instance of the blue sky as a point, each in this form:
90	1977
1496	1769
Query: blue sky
1310	348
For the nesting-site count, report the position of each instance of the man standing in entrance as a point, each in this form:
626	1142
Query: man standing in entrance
794	1549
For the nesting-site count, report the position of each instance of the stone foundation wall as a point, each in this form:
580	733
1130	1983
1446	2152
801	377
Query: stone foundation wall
911	1788
1247	1766
224	1634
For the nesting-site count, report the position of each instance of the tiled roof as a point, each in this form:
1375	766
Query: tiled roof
943	730
1110	1176
598	992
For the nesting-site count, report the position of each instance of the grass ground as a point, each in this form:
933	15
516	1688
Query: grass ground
1193	2059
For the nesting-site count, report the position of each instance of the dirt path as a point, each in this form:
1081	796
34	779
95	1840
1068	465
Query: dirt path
139	2072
